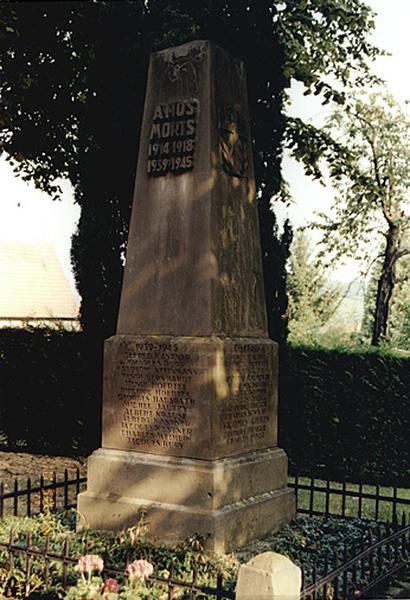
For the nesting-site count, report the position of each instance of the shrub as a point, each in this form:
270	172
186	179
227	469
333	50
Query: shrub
307	540
345	414
116	550
50	390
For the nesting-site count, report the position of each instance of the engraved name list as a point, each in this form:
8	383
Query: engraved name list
159	395
157	405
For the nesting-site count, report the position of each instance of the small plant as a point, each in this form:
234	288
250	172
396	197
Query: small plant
93	587
17	583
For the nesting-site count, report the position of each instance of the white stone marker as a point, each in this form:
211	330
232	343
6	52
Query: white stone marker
269	576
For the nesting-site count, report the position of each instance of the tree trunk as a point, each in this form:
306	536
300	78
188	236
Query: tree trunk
275	252
385	285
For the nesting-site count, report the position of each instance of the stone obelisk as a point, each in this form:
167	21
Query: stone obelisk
190	379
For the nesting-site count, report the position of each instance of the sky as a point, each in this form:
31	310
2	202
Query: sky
391	34
28	214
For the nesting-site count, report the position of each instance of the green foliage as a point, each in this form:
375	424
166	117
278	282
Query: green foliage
49	389
312	299
399	329
373	190
399	322
116	549
305	541
72	87
327	49
345	414
326	39
399	315
372	182
73	75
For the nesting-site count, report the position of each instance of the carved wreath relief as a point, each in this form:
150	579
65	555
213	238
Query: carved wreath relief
171	146
233	144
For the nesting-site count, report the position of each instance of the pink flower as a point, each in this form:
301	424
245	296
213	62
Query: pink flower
111	585
89	563
140	569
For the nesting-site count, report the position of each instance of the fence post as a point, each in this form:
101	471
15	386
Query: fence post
269	576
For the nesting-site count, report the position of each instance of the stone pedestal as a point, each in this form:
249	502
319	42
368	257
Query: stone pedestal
190	379
229	501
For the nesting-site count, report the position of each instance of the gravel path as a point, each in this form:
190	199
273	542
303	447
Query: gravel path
23	465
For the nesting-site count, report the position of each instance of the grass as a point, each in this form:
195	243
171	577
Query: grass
327	498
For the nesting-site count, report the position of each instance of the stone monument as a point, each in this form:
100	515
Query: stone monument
190	379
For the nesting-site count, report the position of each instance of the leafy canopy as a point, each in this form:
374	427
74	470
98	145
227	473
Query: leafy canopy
72	82
327	49
372	179
372	185
399	318
312	298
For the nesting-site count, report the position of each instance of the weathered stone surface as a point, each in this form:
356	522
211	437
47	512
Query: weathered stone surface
201	484
231	500
190	379
193	397
193	261
269	576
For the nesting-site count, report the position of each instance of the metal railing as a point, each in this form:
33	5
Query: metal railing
65	575
29	498
343	577
317	497
314	497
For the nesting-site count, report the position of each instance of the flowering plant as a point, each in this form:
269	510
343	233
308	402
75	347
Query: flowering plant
89	563
140	569
93	587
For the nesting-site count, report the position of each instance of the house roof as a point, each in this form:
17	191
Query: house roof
33	284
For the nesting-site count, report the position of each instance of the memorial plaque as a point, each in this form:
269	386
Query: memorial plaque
172	139
167	396
190	379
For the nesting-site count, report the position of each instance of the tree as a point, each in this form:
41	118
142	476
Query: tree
372	182
312	300
64	76
399	326
399	316
72	86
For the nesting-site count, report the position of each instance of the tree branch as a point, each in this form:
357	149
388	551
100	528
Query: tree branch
401	253
375	160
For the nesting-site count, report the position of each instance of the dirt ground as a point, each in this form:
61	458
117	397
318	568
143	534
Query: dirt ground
22	465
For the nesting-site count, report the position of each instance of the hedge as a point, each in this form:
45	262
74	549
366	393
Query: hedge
49	391
345	414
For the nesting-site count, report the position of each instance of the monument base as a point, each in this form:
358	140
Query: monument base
229	501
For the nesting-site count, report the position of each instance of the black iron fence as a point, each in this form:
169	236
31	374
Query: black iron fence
376	558
57	568
314	497
371	563
317	497
28	497
342	575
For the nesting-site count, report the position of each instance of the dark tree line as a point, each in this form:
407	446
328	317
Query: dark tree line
71	95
